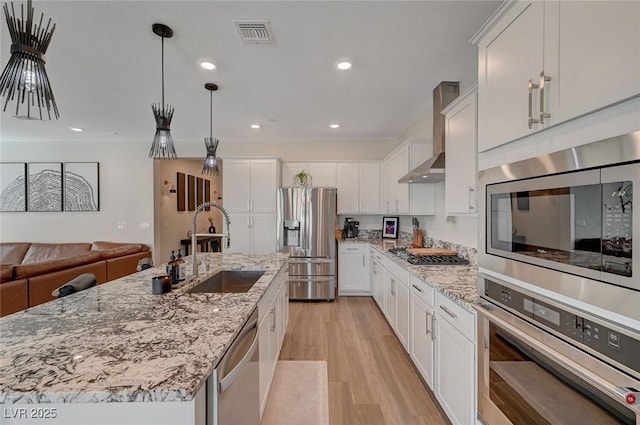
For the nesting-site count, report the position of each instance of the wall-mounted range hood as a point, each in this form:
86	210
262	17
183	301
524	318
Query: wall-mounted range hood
432	170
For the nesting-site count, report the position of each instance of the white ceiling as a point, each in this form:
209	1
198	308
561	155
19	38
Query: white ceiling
104	66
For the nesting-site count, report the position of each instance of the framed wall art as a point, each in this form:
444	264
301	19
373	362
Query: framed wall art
180	178
44	186
81	186
13	186
207	193
191	193
199	191
390	227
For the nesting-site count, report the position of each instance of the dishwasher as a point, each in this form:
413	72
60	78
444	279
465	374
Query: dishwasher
233	389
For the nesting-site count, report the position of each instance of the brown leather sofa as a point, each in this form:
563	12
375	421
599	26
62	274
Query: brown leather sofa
31	271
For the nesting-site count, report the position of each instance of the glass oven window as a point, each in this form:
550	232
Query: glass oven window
587	226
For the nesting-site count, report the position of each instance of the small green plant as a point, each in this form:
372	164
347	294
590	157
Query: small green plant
302	178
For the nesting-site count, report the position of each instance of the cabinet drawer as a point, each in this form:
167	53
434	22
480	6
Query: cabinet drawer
462	319
351	248
375	254
397	270
422	290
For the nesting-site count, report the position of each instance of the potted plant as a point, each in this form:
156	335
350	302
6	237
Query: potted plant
302	179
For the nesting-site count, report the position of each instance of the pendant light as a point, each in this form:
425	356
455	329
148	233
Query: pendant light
25	78
162	147
211	162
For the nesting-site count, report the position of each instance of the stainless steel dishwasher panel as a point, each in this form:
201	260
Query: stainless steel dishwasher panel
234	389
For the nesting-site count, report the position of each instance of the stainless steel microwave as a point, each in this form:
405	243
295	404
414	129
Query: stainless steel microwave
564	223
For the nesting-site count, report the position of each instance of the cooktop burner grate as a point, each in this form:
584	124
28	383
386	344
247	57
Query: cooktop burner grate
428	260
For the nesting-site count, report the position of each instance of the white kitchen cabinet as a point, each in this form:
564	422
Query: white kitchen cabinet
353	269
252	233
461	170
376	277
249	185
397	300
402	313
455	364
421	348
405	198
358	186
532	72
323	174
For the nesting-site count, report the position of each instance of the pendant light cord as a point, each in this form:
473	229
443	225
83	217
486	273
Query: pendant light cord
211	114
162	44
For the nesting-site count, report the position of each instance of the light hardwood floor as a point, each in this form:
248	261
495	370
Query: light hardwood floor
371	378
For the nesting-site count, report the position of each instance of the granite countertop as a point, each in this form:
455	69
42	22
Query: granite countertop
118	342
458	282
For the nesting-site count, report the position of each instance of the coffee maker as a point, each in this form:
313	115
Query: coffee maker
350	229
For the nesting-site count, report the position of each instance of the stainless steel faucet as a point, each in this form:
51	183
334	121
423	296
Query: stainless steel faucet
194	237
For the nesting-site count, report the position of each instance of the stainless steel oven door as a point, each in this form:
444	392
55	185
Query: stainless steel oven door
528	376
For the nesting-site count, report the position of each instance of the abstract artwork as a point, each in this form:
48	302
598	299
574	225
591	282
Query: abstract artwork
191	193
199	190
13	186
181	181
81	186
44	189
207	193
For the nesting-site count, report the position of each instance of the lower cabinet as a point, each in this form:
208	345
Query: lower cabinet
455	365
376	277
353	261
273	317
397	300
421	347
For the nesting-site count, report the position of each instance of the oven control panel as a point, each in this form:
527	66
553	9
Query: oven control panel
609	343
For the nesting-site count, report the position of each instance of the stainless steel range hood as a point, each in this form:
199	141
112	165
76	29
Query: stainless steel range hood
432	170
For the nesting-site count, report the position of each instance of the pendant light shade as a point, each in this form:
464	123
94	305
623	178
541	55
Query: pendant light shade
162	147
211	162
24	79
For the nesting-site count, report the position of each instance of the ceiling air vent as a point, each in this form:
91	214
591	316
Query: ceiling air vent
254	31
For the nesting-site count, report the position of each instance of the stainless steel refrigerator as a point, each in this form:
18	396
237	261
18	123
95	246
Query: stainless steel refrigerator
306	230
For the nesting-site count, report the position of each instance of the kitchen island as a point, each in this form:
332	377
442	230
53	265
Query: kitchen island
77	357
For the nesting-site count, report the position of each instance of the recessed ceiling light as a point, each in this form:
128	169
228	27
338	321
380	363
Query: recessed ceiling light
255	126
76	129
209	66
334	125
343	65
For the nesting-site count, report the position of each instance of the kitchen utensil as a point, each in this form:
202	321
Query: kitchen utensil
430	251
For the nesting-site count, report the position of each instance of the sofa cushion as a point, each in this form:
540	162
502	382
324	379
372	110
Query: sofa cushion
13	252
44	252
27	270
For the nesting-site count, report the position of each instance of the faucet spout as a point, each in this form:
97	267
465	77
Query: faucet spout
194	238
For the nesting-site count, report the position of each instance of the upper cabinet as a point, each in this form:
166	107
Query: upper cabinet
249	185
543	63
323	174
407	198
461	170
358	186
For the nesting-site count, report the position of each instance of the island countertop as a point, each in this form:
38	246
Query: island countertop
118	342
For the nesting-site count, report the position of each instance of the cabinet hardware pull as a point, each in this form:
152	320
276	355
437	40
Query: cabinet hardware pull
532	120
449	312
543	80
433	327
393	287
353	249
419	290
471	207
428	329
273	316
363	261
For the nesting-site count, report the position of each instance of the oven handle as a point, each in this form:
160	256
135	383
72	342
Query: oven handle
597	381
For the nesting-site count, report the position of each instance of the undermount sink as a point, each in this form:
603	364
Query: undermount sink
228	281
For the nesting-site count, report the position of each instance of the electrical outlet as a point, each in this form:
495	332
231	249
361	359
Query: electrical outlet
122	225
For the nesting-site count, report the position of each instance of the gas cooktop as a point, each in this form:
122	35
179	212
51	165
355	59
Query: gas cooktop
428	260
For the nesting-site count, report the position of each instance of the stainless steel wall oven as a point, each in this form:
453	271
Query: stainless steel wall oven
559	321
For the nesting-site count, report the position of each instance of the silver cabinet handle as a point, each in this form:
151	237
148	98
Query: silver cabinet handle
427	323
273	318
353	249
449	312
433	326
543	80
393	287
471	207
532	86
418	289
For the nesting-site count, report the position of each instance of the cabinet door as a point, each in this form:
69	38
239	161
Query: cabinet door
240	233
461	173
290	169
323	174
263	233
369	188
592	54
347	184
509	56
421	345
263	364
237	185
455	366
391	283
351	270
263	185
402	314
399	166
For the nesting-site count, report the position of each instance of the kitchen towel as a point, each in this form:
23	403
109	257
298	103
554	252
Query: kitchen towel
299	394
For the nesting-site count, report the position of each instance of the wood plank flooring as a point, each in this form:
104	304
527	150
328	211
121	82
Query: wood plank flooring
371	378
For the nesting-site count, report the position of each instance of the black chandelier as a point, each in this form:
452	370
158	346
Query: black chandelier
25	79
211	162
162	147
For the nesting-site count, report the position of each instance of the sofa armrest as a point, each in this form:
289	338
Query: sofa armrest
125	265
14	296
